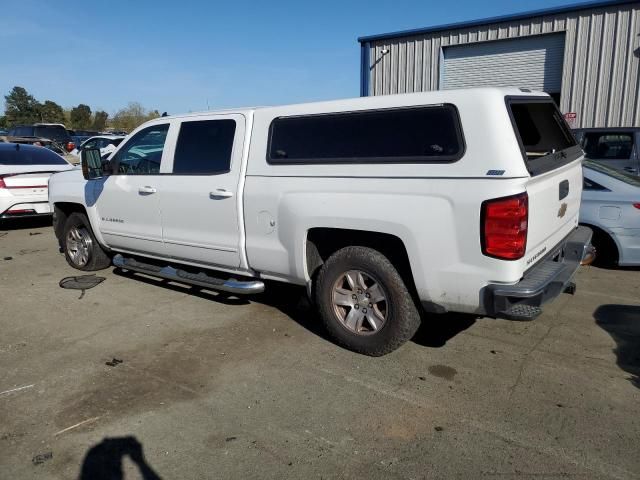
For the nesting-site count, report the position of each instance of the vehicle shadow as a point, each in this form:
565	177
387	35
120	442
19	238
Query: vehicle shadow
104	460
292	300
25	223
289	299
437	329
196	291
615	267
622	322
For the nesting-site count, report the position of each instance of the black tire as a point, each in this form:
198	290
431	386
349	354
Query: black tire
401	317
96	257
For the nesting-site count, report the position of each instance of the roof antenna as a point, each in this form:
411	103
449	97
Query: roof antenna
17	147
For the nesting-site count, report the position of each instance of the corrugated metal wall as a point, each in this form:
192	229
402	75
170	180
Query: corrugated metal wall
600	78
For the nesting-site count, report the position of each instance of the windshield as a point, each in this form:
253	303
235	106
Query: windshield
29	156
612	172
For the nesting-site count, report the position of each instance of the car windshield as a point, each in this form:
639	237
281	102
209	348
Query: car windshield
612	172
10	155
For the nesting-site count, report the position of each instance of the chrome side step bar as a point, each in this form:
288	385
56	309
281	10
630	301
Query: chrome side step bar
200	279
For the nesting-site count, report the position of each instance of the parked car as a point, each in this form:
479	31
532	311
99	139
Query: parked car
106	143
79	139
24	176
454	200
614	147
38	142
55	132
611	208
86	133
4	131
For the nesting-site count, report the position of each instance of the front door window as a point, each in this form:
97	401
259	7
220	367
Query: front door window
142	154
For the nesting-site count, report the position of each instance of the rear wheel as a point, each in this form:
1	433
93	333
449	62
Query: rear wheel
81	249
364	303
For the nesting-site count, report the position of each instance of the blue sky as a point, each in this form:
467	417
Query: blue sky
183	56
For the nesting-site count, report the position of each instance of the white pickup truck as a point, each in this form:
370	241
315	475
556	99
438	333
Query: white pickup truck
384	207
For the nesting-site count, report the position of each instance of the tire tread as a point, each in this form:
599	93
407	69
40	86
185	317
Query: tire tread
405	319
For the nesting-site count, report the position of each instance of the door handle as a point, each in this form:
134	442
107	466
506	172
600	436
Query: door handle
146	190
221	193
631	169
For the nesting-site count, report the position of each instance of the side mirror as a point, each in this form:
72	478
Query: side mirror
91	163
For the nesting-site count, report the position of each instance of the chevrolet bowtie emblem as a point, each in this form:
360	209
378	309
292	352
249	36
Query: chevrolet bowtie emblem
563	210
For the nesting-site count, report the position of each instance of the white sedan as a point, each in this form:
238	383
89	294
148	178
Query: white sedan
106	143
24	179
611	207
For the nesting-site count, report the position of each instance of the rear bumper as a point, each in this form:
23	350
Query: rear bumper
628	242
544	282
26	209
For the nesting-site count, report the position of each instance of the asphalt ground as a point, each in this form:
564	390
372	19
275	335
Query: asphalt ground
140	378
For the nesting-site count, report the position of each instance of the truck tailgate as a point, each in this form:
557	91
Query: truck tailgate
554	161
554	207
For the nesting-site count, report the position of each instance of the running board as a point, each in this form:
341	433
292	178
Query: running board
200	279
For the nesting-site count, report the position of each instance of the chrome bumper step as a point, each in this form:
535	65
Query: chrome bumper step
201	279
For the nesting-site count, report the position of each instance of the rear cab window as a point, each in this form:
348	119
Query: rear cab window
425	134
22	132
545	139
608	145
52	132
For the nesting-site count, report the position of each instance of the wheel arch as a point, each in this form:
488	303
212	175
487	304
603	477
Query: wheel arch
61	211
608	236
322	242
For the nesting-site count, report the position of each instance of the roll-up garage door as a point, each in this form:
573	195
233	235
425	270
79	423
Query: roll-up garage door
532	62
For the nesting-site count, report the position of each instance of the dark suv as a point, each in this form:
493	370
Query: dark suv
52	131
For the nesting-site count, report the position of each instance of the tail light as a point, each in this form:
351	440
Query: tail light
503	226
637	205
70	146
21	211
2	184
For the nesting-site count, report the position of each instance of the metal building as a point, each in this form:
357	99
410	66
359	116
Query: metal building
587	56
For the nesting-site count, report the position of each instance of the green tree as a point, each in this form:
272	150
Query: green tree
21	107
131	116
3	122
100	120
81	117
51	112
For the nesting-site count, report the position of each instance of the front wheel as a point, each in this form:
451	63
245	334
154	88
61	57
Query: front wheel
81	249
364	303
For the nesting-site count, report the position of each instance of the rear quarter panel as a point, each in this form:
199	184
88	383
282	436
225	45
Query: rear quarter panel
438	221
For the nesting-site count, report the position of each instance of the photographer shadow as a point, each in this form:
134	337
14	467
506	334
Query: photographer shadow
622	322
104	460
